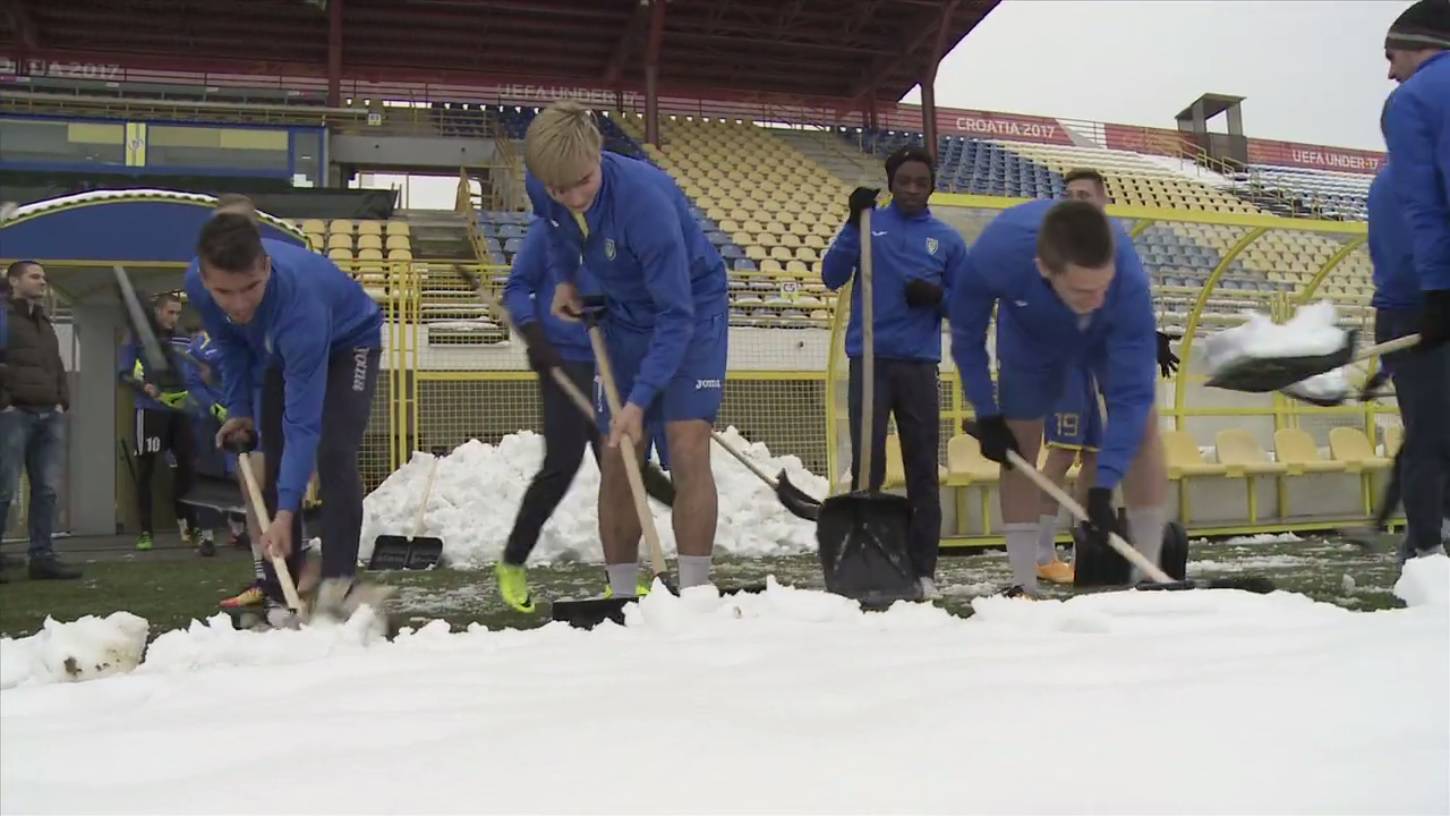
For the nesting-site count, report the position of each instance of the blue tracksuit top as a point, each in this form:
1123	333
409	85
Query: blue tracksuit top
310	311
204	394
1396	286
903	248
1417	131
656	270
1036	330
529	294
127	372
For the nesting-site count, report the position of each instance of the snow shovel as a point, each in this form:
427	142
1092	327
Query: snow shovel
264	521
416	552
1263	374
589	612
1157	578
862	534
800	504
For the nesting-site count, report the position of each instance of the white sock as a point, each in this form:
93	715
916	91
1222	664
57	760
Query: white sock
1046	540
1145	531
694	570
623	579
257	567
1022	553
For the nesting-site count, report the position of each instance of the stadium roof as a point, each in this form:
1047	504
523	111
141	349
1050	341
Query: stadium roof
820	48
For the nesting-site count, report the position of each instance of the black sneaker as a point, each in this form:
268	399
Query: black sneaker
206	547
50	568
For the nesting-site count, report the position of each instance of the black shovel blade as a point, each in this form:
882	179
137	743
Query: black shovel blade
1248	583
862	538
1098	565
800	504
590	612
1263	374
393	552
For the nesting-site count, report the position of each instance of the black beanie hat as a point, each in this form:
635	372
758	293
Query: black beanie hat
915	153
1425	25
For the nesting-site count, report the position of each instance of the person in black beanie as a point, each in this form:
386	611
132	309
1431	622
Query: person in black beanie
1416	124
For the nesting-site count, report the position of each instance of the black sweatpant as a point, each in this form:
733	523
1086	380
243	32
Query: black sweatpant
156	433
566	433
352	376
907	389
1422	388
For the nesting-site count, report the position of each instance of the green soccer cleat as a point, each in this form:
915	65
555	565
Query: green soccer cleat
513	587
143	541
642	586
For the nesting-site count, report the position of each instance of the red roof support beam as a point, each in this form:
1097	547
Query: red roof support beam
24	26
621	46
334	53
652	72
928	79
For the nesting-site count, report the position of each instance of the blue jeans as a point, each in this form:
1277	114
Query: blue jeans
37	440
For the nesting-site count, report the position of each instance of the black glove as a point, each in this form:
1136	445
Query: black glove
862	198
541	353
923	294
995	438
1435	326
1167	360
1102	516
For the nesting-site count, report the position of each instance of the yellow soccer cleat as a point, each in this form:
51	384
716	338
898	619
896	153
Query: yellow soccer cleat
513	587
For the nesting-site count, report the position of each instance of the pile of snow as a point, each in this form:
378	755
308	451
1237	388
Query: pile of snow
1425	582
786	701
216	643
477	492
1312	331
85	649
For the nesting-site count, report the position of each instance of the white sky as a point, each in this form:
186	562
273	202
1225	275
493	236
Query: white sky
1312	70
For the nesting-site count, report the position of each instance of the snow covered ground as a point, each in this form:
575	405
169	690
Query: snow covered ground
479	487
789	701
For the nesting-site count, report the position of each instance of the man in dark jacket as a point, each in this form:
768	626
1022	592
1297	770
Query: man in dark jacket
33	402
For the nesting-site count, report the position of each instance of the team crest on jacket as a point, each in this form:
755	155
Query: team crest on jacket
931	246
609	248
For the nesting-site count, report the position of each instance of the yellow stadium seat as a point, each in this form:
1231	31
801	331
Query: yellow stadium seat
399	242
400	255
314	225
396	227
369	228
316	241
1241	454
1350	446
1295	448
753	226
815	242
369	255
766	239
338	240
966	465
780	253
1184	458
340	225
1394	437
340	254
369	241
771	266
755	252
790	240
806	253
797	268
728	225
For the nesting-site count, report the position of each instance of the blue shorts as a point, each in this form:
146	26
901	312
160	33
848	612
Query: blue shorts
1076	421
694	393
